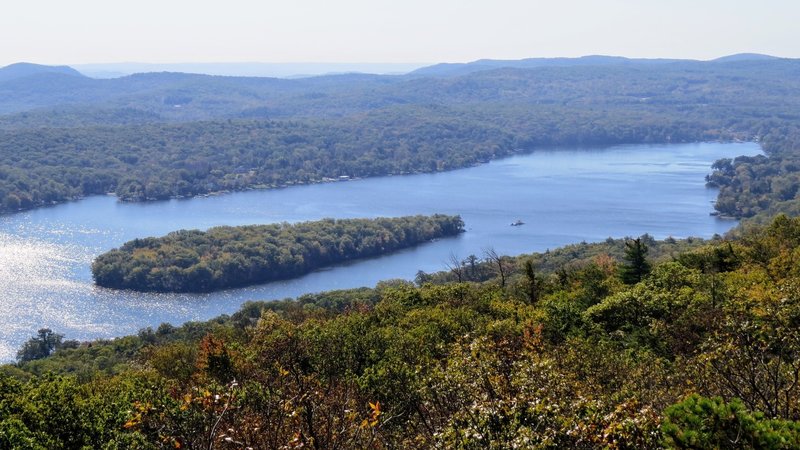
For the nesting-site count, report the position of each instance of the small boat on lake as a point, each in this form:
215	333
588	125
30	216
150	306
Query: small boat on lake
517	223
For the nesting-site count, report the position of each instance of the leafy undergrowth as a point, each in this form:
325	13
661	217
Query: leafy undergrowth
701	353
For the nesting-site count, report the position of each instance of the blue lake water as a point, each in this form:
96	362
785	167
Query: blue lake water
563	196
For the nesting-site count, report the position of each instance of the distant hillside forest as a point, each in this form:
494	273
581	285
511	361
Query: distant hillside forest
157	136
225	257
625	344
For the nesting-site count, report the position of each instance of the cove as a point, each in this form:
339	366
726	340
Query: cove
562	195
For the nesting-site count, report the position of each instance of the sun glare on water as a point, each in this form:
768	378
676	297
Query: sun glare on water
30	271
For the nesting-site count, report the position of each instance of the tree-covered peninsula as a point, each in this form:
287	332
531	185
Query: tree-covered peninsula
225	257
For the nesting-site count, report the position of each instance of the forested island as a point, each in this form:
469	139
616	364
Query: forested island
630	343
226	257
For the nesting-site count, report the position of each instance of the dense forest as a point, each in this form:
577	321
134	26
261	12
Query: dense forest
158	136
761	186
560	350
225	257
161	161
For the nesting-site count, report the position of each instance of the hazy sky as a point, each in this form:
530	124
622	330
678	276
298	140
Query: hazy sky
95	31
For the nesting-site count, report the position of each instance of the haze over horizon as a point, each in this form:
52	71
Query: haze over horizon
278	70
312	69
362	31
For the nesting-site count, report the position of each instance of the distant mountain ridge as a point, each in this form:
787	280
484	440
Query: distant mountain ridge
746	57
247	69
313	70
454	69
23	70
36	95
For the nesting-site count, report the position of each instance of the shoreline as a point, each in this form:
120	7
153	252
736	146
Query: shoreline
324	180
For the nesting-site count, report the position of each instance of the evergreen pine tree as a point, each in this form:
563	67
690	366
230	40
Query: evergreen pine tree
636	266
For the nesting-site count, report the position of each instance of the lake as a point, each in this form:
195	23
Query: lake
562	195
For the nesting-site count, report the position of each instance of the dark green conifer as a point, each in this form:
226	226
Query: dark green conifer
636	266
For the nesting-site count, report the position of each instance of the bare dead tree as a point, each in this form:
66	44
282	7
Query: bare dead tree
456	266
499	262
